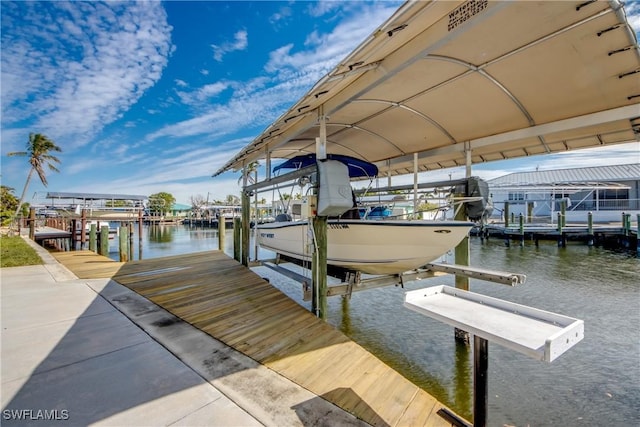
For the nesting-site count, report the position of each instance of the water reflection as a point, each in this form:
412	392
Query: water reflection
463	374
360	327
160	234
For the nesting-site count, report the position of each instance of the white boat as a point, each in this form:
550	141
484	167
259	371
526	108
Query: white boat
382	246
368	246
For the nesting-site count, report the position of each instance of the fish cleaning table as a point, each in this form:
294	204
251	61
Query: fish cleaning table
537	333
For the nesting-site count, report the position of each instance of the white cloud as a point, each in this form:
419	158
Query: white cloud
281	17
69	69
203	94
632	9
239	42
261	100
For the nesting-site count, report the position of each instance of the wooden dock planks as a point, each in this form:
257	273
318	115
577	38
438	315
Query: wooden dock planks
88	264
234	305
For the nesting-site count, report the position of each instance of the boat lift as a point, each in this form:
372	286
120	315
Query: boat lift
352	281
537	333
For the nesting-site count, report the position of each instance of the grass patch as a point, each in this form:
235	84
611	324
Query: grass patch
15	252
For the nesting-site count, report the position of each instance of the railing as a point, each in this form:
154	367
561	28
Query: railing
606	205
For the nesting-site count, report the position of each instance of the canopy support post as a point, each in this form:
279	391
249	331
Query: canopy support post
462	254
415	185
319	267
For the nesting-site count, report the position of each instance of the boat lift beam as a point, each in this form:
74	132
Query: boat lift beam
267	183
505	278
353	282
420	186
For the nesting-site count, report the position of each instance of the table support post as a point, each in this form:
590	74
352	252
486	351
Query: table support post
480	380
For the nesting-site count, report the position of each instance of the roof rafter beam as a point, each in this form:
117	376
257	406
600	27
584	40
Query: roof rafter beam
621	113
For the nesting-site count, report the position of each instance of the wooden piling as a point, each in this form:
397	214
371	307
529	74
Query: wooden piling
638	235
74	234
626	230
246	228
222	229
319	267
590	229
521	229
104	241
83	228
506	214
237	230
123	245
562	241
32	223
130	241
93	236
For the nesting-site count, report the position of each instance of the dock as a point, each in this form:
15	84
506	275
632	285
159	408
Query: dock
232	304
614	236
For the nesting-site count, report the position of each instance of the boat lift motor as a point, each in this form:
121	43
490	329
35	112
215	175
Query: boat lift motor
334	188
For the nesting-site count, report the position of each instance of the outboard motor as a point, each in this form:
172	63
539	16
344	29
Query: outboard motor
283	217
478	209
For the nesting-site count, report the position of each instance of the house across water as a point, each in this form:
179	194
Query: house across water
605	191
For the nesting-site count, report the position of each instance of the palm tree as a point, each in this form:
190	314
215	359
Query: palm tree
252	173
38	149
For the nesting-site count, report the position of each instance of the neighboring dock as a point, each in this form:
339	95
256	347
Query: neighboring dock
621	236
229	302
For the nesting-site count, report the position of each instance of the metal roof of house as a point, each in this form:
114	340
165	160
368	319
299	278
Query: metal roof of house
496	79
616	173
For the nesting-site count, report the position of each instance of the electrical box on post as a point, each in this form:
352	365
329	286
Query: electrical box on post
308	207
334	189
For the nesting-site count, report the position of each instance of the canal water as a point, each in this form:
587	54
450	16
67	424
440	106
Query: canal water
595	383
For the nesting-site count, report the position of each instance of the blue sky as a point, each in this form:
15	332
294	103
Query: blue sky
156	96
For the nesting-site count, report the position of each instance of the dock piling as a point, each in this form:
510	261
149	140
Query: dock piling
237	249
104	241
506	214
93	234
222	229
123	246
638	235
521	230
319	267
32	223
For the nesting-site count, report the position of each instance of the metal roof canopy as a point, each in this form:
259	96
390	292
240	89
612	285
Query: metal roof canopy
94	196
585	175
496	80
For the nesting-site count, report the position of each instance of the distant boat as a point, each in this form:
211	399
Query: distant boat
373	246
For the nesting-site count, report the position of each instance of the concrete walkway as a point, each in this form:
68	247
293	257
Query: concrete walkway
92	352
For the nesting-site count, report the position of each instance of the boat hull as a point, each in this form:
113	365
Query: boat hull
373	247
